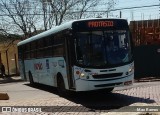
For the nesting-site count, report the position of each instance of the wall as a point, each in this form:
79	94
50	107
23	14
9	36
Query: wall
12	66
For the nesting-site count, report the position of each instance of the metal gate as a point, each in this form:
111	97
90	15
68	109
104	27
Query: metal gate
147	61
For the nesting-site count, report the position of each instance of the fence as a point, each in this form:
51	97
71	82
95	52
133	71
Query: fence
147	61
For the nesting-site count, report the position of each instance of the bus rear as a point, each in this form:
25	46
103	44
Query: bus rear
101	54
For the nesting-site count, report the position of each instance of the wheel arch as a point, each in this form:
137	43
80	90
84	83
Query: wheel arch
60	75
29	73
30	77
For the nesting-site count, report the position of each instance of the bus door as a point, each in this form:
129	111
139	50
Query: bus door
68	55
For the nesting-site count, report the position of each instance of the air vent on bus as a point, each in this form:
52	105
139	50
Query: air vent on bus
111	84
110	75
107	70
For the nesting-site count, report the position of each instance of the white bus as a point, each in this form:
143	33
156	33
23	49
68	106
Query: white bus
81	55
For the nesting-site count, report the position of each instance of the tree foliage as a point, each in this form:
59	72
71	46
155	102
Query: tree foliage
27	16
21	14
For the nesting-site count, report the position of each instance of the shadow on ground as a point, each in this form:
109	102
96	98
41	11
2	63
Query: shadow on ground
93	101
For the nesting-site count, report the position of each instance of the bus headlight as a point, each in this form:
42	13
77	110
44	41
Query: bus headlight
82	75
131	69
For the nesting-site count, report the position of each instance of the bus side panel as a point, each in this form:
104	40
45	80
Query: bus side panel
41	72
58	65
30	68
21	70
37	69
45	70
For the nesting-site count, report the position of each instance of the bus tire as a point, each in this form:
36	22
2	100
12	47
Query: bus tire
31	79
61	86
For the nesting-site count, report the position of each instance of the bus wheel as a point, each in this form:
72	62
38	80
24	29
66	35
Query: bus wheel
61	87
31	78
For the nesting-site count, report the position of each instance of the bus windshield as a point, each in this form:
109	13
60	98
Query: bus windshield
100	48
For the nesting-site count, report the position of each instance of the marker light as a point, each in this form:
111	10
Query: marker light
77	72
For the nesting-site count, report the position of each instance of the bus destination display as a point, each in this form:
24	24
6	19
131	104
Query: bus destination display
96	24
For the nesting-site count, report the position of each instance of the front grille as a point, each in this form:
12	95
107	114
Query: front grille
110	75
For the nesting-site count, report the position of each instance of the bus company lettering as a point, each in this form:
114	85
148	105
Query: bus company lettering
38	66
54	64
100	24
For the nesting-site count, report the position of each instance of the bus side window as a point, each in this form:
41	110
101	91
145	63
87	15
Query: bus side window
40	43
20	52
58	50
40	47
48	41
33	49
48	46
27	51
58	45
48	51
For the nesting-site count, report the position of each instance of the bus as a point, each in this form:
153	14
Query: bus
80	55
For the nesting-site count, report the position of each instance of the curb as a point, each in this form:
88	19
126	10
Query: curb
4	96
10	79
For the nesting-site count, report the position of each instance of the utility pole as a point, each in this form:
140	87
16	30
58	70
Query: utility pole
132	16
107	14
15	58
120	14
0	58
7	61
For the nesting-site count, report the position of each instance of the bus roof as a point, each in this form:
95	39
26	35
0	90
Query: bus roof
67	25
47	33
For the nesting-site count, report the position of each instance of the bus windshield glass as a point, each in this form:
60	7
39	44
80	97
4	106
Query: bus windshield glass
100	48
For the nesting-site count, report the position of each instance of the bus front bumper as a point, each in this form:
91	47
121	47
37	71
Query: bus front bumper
89	85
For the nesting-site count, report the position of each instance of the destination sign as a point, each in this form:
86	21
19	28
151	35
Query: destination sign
99	24
94	24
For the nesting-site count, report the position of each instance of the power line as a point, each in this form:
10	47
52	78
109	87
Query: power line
147	2
142	9
137	7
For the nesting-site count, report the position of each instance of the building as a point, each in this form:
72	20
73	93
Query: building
145	32
9	57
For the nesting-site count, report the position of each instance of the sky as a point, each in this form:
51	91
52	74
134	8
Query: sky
138	14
